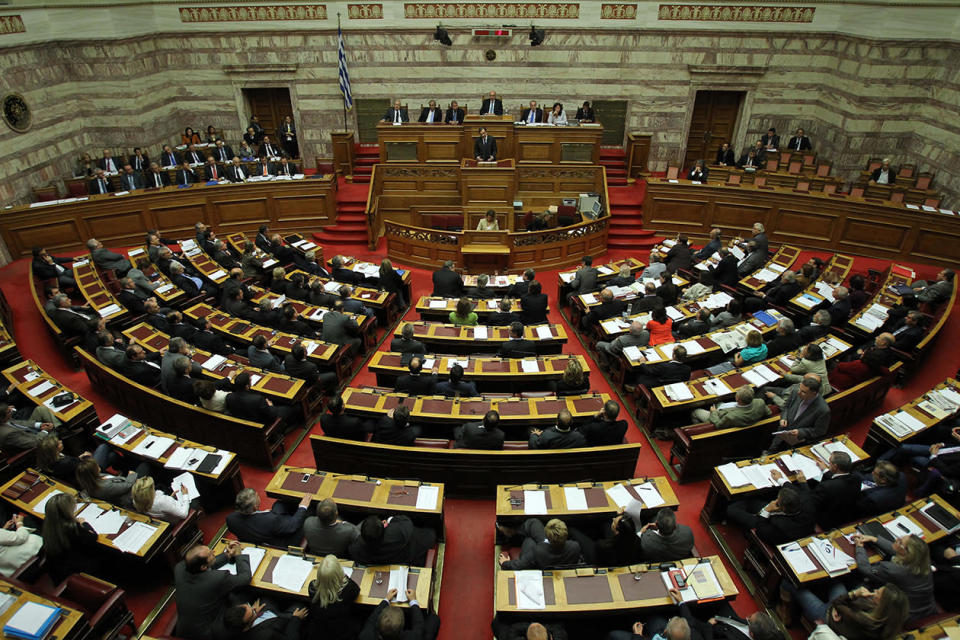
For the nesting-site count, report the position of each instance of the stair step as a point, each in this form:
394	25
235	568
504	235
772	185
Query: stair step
615	182
366	160
632	243
612	152
361	179
624	232
616	173
351	217
341	237
618	224
355	206
350	225
366	169
625	210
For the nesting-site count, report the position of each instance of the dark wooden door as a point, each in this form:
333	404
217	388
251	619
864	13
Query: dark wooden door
714	118
270	105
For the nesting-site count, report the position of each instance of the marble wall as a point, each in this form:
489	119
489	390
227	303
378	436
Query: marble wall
856	97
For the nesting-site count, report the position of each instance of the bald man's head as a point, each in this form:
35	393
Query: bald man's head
537	631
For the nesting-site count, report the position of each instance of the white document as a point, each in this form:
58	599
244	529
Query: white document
567	277
427	496
153	446
649	494
716	386
187	480
105	522
463	363
254	379
398	581
619	494
437	304
632	353
833	560
901	526
693	347
575	498
41	506
256	555
164	288
125	434
766	275
186	458
804	464
589	298
530	366
213	362
758	475
41	388
492	305
535	503
30	618
219	273
754	377
667	349
674	314
529	590
429	363
108	310
544	332
797	558
133	539
733	475
768	374
479	333
678	392
291	572
841	446
652	355
909	421
333	287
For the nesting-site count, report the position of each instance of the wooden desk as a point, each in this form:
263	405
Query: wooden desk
27	376
166	292
121	220
430	309
72	624
813	220
203	263
373	581
606	272
882	436
95	292
760	279
599	503
882	300
357	493
448	338
721	492
485	250
42	487
811	298
599	591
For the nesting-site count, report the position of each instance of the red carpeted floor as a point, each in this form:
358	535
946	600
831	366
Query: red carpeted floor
466	597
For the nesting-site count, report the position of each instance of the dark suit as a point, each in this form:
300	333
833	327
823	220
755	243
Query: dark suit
585	114
497	107
658	374
194	157
202	597
770	141
141	372
485	148
660	548
533	308
131	181
400	345
142	165
698	174
835	498
778	527
537	116
72	323
745	160
462	389
279	527
113	165
249	405
693	327
209	341
285	168
726	157
171	159
423	384
799	144
726	271
602	433
129	299
402	543
473	435
420	628
262	169
891	175
188	286
679	257
186	176
181	388
780	294
96	186
150	179
812	423
449	117
553	438
517	348
907	337
603	311
390	115
447	283
649	302
343	426
237	174
210	169
536	552
503	319
272	149
839	312
222	154
811	332
283	626
783	344
437	115
880	499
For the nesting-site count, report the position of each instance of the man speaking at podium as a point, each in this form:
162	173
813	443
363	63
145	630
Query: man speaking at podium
485	147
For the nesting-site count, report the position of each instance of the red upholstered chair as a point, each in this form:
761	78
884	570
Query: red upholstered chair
760	181
923	180
874	164
515	445
795	167
672	173
907	170
802	187
183	535
45	194
931	202
773	164
102	601
734	179
829	188
896	196
823	170
77	187
856	192
433	443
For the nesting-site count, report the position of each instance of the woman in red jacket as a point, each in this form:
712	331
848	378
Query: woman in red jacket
660	327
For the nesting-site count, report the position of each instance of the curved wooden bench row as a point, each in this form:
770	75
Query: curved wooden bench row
256	443
698	448
65	343
475	473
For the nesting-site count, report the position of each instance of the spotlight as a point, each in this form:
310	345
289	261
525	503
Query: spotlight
536	36
442	35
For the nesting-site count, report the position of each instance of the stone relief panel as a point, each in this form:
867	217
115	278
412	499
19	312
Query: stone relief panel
11	24
254	13
538	10
728	13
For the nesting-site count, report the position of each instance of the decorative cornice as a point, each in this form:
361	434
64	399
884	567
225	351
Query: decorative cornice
254	13
11	24
618	12
734	13
267	68
365	11
498	10
719	70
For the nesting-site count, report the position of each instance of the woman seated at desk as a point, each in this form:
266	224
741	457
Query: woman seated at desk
85	167
156	504
190	137
464	315
557	115
539	222
211	134
489	222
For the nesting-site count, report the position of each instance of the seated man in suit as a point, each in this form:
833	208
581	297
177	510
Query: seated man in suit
485	147
405	343
799	142
609	307
251	405
106	259
285	167
525	630
185	175
804	415
657	374
155	178
72	320
202	592
130	297
280	527
263	168
481	291
108	163
388	622
207	340
504	317
623	279
754	259
258	621
820	326
154	316
341	274
532	113
872	360
726	270
23	435
748	411
454	114
908	332
789	517
749	160
663	540
836	494
585	280
337	424
169	158
131	180
396	114
139	160
560	436
447	283
937	292
543	547
840	309
785	340
605	430
270	149
109	351
480	435
222	152
327	533
533	306
655	269
649	301
770	139
885	490
259	356
193	156
416	383
456	387
222	256
139	368
431	114
339	328
492	105
395	428
883	174
392	541
637	336
212	171
695	326
179	384
517	346
296	364
713	245
236	171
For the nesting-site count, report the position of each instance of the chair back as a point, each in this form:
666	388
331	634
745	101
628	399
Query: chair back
907	170
773	164
923	181
734	178
45	194
896	196
829	188
760	181
823	170
795	167
856	192
672	173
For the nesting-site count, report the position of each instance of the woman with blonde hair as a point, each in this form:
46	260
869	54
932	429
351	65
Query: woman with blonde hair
573	380
156	504
69	543
464	315
755	351
109	488
392	282
332	611
909	569
278	280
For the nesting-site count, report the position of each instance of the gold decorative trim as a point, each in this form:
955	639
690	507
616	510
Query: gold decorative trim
12	24
254	13
533	10
618	12
734	13
365	11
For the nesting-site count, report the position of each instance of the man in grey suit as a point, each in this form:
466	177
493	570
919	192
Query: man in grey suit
585	280
260	357
19	436
108	353
937	292
106	259
638	336
664	540
405	343
202	592
144	287
561	436
339	328
754	260
177	347
747	411
327	533
543	547
804	415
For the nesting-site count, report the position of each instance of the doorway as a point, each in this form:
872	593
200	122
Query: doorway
713	122
270	105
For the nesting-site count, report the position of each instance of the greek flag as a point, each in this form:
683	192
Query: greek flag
344	76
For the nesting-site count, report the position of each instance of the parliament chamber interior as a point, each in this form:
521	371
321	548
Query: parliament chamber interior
479	320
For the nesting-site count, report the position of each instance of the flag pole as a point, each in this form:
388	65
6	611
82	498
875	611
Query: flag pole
343	102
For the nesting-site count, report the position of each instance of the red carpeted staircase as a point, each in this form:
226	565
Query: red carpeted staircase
626	217
614	159
350	231
366	156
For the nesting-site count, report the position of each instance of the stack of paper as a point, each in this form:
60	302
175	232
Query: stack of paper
480	333
824	290
797	558
185	458
632	353
398	581
41	506
219	273
674	314
716	386
256	555
800	462
620	496
530	366
808	301
703	581
544	332
534	503
651	355
153	446
103	522
575	498
733	475
649	495
901	526
291	572
437	304
589	298
213	362
135	536
529	590
766	275
678	392
833	560
427	496
32	621
693	347
457	361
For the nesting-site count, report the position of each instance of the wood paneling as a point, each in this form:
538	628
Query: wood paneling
712	123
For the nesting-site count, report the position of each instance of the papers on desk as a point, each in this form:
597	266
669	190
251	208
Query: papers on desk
755	377
164	288
454	361
41	388
808	301
678	392
649	495
103	522
833	446
109	310
575	499
798	560
632	353
269	263
41	506
651	355
674	314
256	555
213	362
398	581
480	333
32	620
717	300
567	277
436	304
703	581
948	397
733	475
901	526
81	262
529	590
620	496
530	366
766	275
728	340
113	426
933	409
535	503
868	322
186	480
804	464
185	458
492	304
693	347
254	379
427	496
544	332
832	346
824	290
216	275
291	572
833	560
716	386
589	298
759	475
776	268
153	447
605	270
